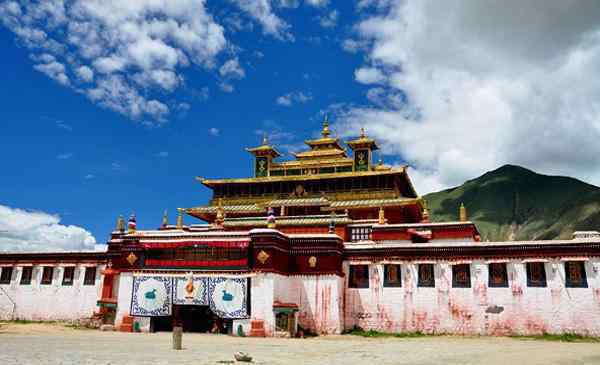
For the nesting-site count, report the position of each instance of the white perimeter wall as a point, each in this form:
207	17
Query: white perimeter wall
319	299
49	302
443	309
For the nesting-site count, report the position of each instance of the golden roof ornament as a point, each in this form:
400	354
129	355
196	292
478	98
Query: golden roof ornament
121	224
462	213
165	219
381	216
362	133
265	141
325	132
179	218
220	217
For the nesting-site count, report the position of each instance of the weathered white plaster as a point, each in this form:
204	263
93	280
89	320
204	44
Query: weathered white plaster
49	302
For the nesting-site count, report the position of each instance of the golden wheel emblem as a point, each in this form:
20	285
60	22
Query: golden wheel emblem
312	261
262	256
132	258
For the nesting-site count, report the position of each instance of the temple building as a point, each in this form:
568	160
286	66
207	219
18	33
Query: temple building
322	243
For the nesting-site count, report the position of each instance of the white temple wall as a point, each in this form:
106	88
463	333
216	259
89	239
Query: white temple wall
479	310
125	287
319	298
50	302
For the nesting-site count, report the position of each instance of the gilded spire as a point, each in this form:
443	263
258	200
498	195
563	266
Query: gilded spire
220	217
179	218
165	219
325	131
362	133
462	213
121	224
381	216
265	141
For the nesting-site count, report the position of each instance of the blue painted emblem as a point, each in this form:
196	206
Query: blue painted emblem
150	294
227	297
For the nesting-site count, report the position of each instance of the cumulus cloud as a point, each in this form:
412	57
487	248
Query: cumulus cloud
317	3
232	69
329	20
470	86
117	52
34	231
261	11
215	132
293	97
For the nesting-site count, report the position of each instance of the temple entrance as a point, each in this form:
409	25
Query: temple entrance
193	318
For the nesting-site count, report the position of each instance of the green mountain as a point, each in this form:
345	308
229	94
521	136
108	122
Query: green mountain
514	203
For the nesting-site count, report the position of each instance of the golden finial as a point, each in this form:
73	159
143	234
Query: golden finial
362	133
179	218
462	213
165	219
381	216
265	141
220	213
325	131
121	224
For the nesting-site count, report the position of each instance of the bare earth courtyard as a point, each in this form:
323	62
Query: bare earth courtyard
55	344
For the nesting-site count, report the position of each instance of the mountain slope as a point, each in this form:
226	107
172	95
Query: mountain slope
514	203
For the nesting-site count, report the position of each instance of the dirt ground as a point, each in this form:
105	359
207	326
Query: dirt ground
56	344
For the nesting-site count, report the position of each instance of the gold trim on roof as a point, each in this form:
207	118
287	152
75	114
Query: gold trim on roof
266	179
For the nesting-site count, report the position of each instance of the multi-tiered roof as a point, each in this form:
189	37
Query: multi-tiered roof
316	186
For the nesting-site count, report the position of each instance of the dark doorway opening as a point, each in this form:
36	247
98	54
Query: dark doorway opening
193	318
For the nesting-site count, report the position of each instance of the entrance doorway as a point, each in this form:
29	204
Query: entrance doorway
193	318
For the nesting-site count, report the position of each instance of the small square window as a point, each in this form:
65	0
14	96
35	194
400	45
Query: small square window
536	274
68	274
90	276
426	277
26	274
6	275
47	275
392	276
575	274
498	275
359	276
461	276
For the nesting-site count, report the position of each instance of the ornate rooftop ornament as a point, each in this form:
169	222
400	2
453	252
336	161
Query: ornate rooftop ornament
325	132
165	219
462	213
131	224
381	215
271	223
179	218
220	217
121	224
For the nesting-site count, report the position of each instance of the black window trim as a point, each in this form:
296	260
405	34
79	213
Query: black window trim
86	282
530	283
51	268
568	282
351	277
420	283
68	283
505	283
11	271
455	283
386	283
28	282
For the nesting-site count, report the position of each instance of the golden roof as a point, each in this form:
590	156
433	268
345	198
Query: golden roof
267	179
363	140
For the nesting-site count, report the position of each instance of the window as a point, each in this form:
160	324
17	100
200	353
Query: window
26	275
392	276
461	276
360	234
498	276
425	277
47	275
90	276
6	275
282	321
575	274
68	273
359	276
536	274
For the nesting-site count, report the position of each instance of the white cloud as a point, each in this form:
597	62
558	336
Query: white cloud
329	20
116	166
474	85
89	176
162	154
64	156
368	75
232	69
111	51
215	132
260	10
293	97
35	231
317	3
226	87
62	125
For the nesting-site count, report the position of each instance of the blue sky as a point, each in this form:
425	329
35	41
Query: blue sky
110	107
